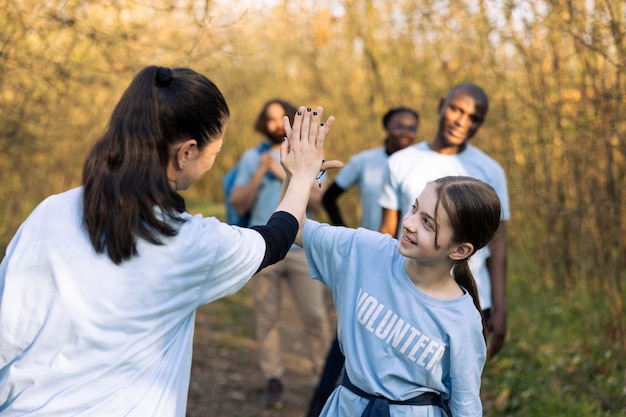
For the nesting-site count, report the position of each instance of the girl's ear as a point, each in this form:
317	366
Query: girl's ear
461	251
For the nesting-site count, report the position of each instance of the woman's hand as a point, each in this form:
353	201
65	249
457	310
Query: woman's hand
302	152
302	157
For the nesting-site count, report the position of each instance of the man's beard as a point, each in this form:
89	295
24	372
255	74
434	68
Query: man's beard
275	139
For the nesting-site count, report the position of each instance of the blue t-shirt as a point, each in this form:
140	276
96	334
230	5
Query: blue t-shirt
398	341
366	170
269	191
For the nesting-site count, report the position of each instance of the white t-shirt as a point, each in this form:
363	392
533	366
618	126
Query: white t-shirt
398	341
366	170
82	336
412	168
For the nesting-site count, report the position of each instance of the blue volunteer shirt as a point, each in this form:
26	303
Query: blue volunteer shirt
398	341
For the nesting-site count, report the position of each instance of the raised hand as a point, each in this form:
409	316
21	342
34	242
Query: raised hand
302	153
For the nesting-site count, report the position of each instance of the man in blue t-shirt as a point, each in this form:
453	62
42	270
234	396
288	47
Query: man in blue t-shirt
257	190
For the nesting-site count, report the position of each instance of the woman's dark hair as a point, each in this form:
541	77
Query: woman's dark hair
125	185
260	125
474	210
397	110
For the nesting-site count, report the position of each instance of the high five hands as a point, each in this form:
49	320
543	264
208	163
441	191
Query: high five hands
303	149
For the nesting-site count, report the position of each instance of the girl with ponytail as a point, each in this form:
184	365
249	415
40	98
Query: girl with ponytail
409	319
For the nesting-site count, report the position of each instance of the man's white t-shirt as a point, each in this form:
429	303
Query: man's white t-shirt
411	169
82	336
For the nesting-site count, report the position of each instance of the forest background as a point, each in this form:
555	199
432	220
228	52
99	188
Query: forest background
555	72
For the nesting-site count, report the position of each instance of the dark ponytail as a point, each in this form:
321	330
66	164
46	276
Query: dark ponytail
126	194
163	76
464	277
474	210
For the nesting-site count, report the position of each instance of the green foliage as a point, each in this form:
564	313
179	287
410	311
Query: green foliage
206	208
555	362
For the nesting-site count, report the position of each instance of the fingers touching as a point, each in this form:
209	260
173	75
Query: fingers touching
308	126
308	134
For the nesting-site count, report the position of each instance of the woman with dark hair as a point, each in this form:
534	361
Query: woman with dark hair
99	287
367	168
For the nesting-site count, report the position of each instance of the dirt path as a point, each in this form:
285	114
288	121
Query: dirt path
225	377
